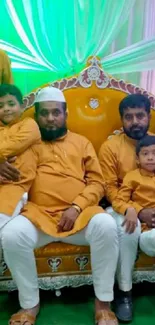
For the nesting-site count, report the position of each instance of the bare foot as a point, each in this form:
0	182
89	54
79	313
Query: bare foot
104	315
33	311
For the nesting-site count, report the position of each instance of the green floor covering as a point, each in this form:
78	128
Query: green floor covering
75	306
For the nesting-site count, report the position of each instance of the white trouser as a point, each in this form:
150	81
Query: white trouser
128	246
20	237
147	242
4	219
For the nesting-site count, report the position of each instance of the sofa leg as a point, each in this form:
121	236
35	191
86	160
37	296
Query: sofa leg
58	293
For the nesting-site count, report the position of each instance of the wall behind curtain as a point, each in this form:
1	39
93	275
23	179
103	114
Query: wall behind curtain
48	39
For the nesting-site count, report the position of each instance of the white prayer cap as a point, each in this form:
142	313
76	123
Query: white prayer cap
50	93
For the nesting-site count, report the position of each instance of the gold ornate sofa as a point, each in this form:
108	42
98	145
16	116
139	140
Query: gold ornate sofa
93	98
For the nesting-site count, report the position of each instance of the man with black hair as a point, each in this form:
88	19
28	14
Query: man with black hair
117	156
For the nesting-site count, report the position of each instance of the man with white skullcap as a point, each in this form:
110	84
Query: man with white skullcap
62	206
51	100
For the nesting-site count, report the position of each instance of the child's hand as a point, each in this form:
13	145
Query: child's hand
130	221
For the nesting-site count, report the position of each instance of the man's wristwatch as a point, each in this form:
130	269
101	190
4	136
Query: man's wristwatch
77	208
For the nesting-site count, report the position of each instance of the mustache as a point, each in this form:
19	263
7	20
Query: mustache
136	127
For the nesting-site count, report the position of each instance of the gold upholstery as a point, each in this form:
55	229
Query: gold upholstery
93	109
92	98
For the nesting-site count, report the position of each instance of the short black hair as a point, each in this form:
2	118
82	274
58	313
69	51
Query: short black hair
7	89
64	106
147	141
133	101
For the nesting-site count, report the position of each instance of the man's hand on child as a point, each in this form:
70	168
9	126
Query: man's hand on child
9	172
3	180
147	216
130	221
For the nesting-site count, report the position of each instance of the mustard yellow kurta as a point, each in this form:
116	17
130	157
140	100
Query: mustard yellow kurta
137	190
20	139
5	69
117	156
68	172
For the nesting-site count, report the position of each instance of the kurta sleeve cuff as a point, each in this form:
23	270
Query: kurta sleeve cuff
81	202
123	208
137	207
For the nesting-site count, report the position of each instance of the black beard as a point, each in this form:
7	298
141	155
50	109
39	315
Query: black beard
136	135
50	135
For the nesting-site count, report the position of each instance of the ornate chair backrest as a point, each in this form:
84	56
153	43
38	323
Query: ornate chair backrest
92	98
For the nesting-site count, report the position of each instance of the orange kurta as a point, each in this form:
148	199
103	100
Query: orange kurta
117	156
5	69
19	139
68	172
137	190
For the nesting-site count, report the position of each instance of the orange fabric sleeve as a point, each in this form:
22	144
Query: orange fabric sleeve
94	189
123	201
6	70
15	144
108	162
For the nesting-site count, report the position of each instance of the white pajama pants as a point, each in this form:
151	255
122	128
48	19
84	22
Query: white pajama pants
147	242
128	246
4	219
20	237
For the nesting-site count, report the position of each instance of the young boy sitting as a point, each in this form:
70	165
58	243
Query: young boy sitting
17	139
138	192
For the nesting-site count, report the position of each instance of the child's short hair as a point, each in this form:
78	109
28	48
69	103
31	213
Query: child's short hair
147	141
7	89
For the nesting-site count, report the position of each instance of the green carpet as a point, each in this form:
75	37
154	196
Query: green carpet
75	306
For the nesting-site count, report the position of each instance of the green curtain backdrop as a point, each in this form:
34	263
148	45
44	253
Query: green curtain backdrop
51	39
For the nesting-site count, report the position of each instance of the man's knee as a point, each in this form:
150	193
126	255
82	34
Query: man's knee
137	231
103	224
135	235
122	229
10	236
17	233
